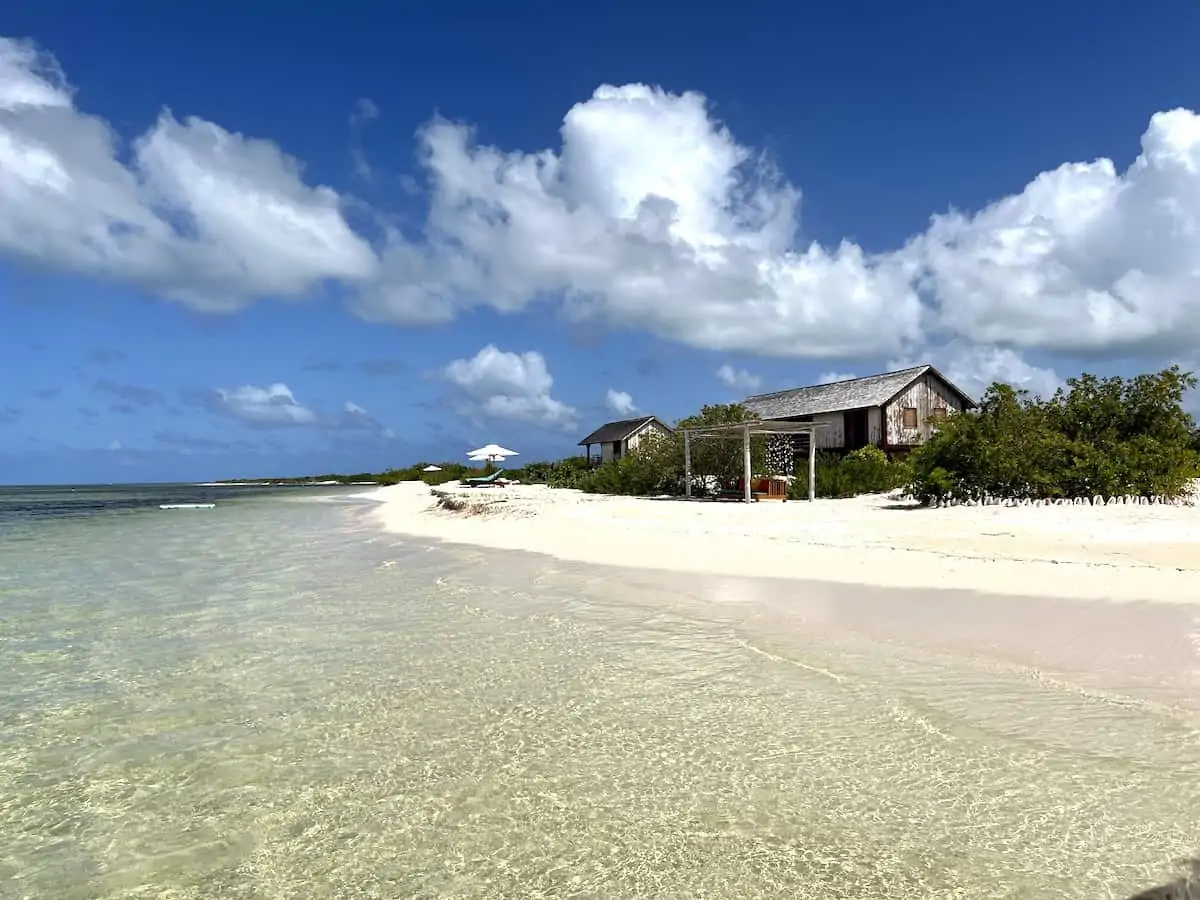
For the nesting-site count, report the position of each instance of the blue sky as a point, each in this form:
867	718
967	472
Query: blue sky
253	239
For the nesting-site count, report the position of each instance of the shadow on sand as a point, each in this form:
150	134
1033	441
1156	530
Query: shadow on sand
904	505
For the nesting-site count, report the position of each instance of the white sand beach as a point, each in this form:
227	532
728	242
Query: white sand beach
1127	553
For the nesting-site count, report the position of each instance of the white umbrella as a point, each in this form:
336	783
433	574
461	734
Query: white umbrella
491	453
432	469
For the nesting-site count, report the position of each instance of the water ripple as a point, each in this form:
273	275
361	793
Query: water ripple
269	711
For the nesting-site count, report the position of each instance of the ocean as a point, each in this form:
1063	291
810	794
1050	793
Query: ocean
272	698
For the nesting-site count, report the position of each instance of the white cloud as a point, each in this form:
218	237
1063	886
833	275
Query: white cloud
831	377
648	215
201	215
501	385
739	379
1084	258
975	368
275	405
114	446
355	417
652	216
619	402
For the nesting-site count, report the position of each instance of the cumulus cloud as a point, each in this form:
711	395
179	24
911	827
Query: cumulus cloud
354	417
975	368
498	384
1084	258
739	379
274	405
199	214
648	214
619	402
651	215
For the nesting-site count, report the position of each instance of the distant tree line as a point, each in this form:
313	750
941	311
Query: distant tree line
657	467
1103	437
1106	437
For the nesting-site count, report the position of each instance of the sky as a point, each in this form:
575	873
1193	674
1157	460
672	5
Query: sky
262	239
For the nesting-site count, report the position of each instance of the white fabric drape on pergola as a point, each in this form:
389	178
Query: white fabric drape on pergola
745	430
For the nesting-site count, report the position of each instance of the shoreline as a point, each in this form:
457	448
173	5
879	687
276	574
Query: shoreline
1117	553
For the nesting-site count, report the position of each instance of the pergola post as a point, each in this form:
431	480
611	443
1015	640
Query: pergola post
743	431
687	463
812	466
746	463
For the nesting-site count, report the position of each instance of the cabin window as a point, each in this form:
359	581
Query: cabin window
909	417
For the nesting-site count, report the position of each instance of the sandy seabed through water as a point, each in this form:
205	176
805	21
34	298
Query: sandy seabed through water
285	701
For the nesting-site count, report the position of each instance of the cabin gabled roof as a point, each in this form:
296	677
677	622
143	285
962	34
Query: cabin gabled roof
837	396
619	431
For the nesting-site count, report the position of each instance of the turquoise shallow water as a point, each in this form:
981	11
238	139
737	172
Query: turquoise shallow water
272	699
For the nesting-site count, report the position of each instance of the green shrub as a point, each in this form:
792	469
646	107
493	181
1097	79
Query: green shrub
656	466
864	471
450	472
1107	437
566	473
645	471
531	473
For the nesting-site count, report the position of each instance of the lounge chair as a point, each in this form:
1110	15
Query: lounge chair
496	479
731	490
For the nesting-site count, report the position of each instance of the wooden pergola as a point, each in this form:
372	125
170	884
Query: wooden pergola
744	431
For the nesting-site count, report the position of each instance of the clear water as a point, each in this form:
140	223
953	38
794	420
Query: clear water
272	699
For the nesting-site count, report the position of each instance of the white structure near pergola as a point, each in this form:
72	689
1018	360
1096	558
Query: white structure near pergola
744	431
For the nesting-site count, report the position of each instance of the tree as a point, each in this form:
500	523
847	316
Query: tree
723	457
657	466
1096	436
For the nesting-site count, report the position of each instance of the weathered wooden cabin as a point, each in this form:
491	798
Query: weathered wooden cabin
615	439
894	411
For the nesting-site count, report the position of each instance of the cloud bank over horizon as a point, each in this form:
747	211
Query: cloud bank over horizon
650	216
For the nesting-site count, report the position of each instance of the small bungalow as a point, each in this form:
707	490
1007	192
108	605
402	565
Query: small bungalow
894	411
615	439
